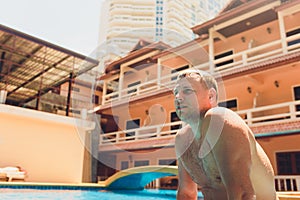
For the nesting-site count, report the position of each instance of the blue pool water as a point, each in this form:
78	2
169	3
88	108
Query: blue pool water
42	194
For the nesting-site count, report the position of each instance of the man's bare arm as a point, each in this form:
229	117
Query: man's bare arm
232	153
187	189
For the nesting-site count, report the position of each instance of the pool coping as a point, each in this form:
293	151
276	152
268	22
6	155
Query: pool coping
46	186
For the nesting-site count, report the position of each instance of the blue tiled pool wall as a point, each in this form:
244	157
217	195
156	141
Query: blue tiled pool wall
51	187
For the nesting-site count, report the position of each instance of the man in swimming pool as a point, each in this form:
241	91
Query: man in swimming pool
216	150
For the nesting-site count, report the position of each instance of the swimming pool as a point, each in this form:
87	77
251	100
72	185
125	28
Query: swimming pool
57	194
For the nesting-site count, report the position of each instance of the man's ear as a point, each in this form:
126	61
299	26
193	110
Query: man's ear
212	94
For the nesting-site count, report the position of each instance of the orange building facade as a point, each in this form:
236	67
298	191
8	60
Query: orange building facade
252	48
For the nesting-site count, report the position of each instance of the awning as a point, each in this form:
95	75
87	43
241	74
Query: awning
30	67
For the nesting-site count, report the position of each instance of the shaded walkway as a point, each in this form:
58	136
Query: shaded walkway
138	177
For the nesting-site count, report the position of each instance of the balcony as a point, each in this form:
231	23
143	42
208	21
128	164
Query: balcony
287	183
259	54
144	133
120	9
240	61
265	115
167	131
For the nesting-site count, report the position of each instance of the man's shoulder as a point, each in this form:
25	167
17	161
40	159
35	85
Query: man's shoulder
183	139
223	119
186	129
184	134
221	113
218	111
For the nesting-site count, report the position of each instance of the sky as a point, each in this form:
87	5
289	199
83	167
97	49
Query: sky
71	24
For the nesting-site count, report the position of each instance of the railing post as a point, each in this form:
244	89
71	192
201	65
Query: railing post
138	88
121	80
158	133
136	135
285	185
292	111
100	138
104	93
211	50
117	137
249	117
158	73
244	57
282	32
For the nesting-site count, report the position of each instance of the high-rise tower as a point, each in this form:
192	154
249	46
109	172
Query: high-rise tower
125	22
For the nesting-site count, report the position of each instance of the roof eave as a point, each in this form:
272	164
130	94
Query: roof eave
47	44
137	53
204	27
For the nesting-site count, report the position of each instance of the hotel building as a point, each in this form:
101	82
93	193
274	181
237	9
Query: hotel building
252	47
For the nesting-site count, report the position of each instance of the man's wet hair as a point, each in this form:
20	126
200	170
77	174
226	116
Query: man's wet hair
205	78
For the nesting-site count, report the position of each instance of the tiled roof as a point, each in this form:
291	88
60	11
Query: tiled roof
261	65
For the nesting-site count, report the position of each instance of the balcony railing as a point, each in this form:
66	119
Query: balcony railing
161	130
287	183
148	87
240	59
282	184
257	54
269	114
266	115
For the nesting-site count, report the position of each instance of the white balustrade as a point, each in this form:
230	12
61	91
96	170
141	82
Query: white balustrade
287	183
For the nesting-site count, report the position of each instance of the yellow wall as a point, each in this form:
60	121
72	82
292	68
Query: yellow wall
263	87
272	145
49	147
291	21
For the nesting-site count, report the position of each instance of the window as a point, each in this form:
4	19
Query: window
124	165
297	96
95	99
288	163
132	124
139	163
75	111
177	70
175	118
231	104
293	32
113	87
171	162
109	123
131	85
222	55
75	89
